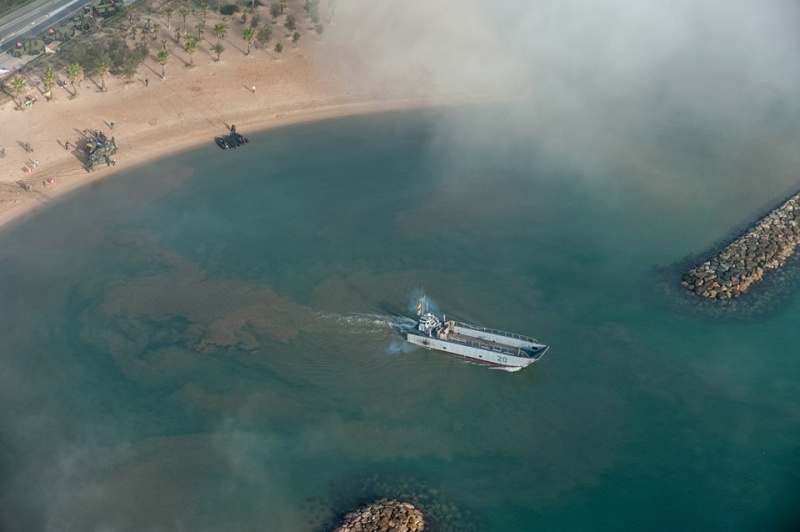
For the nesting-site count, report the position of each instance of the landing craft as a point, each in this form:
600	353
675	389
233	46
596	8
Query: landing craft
490	347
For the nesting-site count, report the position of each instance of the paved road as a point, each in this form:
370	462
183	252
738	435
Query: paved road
30	21
35	18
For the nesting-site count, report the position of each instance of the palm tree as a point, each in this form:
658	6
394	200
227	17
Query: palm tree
248	35
218	49
168	11
163	58
245	11
282	3
102	70
156	27
200	27
184	12
220	29
49	78
145	31
74	75
190	47
204	7
17	87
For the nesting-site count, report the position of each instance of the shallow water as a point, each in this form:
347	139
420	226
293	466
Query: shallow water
211	342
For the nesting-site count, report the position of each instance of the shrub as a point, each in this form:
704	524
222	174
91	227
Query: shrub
279	47
229	9
275	10
264	34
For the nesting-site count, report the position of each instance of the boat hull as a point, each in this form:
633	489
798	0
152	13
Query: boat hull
479	355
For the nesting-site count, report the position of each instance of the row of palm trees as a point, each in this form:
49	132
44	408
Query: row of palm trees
74	72
18	85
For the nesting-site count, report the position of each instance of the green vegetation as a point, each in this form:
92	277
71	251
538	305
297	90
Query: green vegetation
74	75
184	12
49	78
248	34
219	31
218	49
191	48
118	54
119	45
168	11
311	7
163	59
229	9
264	34
102	69
17	86
204	7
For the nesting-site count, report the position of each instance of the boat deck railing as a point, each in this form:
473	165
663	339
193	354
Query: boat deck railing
497	332
488	346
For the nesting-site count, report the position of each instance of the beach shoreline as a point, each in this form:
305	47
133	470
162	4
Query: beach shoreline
198	99
71	178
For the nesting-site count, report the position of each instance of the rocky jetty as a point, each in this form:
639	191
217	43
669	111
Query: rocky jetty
383	515
765	247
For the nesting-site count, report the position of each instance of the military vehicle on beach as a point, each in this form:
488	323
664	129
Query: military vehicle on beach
99	149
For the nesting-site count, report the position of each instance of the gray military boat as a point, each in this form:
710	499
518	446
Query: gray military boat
491	347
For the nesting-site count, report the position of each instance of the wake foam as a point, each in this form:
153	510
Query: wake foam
370	322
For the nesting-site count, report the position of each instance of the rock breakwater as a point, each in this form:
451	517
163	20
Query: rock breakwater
383	515
764	247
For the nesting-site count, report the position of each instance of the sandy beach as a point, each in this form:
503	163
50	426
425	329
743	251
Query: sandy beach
156	117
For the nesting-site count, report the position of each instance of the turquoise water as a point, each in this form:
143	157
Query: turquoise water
211	342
